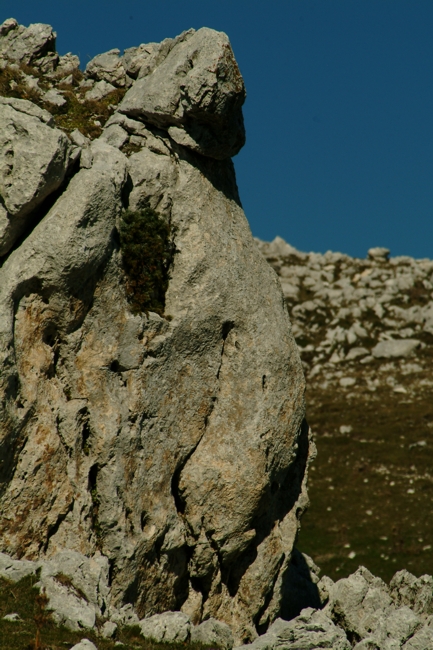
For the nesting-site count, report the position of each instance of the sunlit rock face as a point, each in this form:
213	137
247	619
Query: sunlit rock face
174	446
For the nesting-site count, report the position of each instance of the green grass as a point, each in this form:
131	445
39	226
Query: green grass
369	488
21	597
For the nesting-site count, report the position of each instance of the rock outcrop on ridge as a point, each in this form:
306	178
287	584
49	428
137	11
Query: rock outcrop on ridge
170	451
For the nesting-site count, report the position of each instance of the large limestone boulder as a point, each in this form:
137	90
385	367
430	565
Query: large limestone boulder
27	45
173	447
196	92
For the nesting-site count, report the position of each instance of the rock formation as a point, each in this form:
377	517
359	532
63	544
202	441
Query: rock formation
169	450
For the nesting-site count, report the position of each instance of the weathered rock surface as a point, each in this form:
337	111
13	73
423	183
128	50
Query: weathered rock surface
212	632
310	630
169	627
31	45
197	93
34	158
173	449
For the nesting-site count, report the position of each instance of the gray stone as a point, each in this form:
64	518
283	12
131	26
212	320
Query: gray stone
28	108
67	65
13	618
108	630
8	25
121	428
167	627
421	640
213	632
358	603
100	89
26	44
356	353
135	58
416	593
347	382
115	135
395	348
54	97
84	644
310	630
33	162
107	67
79	139
203	111
77	588
378	253
15	570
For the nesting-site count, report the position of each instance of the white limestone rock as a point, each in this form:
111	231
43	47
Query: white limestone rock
16	570
26	44
33	162
174	627
100	90
200	105
395	348
310	630
84	644
213	632
107	67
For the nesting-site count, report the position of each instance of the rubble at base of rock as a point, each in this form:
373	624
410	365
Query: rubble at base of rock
360	611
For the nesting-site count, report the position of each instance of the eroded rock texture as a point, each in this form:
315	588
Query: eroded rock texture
175	447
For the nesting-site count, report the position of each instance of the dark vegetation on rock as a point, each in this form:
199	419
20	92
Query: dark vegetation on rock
148	248
77	112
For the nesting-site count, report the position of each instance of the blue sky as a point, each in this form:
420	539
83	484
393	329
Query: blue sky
339	113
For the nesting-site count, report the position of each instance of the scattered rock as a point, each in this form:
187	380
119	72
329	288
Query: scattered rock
378	253
170	627
27	45
213	632
99	90
395	348
54	97
84	644
310	630
13	618
107	67
108	630
16	570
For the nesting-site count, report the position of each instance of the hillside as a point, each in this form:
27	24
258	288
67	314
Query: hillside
364	328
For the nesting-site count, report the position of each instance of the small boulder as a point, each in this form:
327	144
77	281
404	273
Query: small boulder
16	570
213	632
378	254
13	618
84	644
395	348
100	90
107	67
311	629
166	627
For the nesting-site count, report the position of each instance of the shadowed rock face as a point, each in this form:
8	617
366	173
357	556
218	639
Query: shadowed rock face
175	447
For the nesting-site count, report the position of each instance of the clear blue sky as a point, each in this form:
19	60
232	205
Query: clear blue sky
339	113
